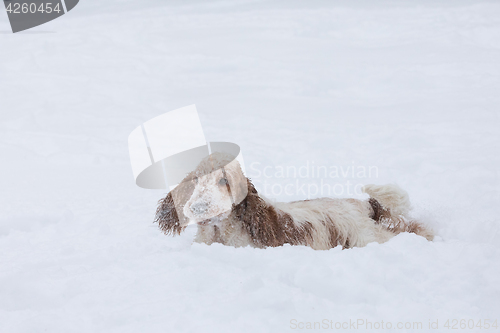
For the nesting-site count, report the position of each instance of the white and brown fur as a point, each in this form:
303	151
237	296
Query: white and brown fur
207	197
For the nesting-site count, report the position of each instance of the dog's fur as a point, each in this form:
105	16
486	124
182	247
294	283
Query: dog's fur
228	210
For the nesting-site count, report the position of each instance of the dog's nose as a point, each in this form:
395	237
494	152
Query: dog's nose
199	208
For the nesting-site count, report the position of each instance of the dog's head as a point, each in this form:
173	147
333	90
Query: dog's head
219	183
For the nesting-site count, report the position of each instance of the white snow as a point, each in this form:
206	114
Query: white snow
410	88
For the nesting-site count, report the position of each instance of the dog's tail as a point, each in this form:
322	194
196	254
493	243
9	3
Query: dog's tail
391	206
391	197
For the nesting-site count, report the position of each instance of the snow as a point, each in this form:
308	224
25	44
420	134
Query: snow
409	88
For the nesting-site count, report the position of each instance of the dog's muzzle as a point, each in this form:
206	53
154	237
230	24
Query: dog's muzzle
199	208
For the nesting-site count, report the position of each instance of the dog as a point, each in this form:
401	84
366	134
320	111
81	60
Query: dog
228	209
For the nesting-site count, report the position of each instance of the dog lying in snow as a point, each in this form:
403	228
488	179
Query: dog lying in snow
206	196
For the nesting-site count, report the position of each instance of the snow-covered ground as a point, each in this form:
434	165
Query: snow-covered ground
409	89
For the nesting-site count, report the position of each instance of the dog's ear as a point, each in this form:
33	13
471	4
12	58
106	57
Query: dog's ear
166	216
259	219
238	182
265	226
169	214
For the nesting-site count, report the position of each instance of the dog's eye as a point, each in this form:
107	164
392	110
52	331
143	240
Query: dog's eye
223	182
196	180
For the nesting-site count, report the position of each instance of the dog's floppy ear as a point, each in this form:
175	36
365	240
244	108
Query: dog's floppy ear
166	216
260	220
169	214
265	226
